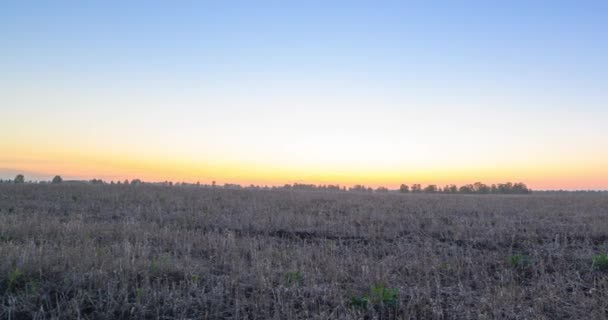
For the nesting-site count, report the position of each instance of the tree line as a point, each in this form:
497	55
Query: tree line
474	188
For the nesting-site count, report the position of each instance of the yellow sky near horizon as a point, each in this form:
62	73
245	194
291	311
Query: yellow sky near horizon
86	163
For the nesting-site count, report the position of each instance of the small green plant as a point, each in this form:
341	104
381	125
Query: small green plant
519	261
380	294
600	262
139	293
159	265
359	302
293	278
33	287
14	278
4	238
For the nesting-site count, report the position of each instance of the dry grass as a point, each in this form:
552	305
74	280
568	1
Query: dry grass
108	252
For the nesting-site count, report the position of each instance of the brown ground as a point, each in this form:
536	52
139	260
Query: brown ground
107	252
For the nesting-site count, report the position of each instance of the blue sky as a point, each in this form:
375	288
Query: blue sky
242	82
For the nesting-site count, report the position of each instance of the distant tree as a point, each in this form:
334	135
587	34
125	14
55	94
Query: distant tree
416	188
404	188
481	188
466	189
381	190
360	188
57	179
126	181
431	188
520	188
213	184
135	182
19	179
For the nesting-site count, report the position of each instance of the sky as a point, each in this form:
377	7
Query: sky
273	92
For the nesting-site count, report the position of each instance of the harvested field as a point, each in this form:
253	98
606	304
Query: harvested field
115	251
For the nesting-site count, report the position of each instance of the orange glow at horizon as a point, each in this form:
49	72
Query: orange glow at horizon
117	167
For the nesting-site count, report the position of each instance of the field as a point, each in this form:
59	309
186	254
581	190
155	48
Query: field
112	252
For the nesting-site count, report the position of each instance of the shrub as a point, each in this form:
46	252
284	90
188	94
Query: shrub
19	179
600	262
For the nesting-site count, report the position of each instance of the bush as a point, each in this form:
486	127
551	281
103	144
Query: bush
19	178
600	262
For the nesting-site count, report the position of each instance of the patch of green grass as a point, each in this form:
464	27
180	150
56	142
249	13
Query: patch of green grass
139	293
293	278
15	277
379	296
519	261
359	302
600	262
159	265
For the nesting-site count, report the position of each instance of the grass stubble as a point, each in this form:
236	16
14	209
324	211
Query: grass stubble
152	252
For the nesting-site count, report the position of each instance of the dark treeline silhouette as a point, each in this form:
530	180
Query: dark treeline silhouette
474	188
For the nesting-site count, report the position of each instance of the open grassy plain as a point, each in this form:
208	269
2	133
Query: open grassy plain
131	252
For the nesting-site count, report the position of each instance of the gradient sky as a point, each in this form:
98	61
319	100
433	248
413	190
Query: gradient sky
372	92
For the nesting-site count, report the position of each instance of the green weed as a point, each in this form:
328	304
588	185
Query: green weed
15	277
293	278
379	296
519	261
600	262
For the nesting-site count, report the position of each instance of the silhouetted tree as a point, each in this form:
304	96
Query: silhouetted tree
481	188
431	188
382	190
360	188
466	189
135	182
520	188
19	179
404	188
416	188
57	179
